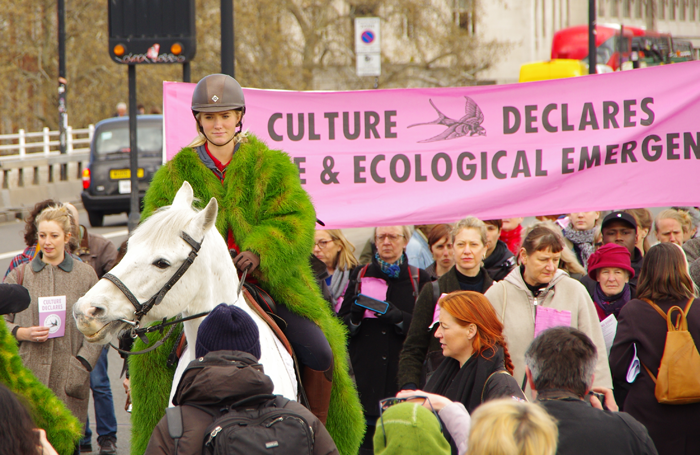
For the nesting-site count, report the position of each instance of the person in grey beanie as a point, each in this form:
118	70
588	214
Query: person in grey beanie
226	371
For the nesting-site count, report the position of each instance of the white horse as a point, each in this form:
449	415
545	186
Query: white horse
155	252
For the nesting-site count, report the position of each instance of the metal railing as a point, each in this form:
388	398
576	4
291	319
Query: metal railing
29	145
32	158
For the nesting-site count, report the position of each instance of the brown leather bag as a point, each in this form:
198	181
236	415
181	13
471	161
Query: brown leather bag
678	381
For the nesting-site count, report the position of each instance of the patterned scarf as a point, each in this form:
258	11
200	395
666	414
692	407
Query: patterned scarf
614	303
390	270
584	240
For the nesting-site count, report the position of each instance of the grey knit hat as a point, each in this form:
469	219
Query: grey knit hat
228	328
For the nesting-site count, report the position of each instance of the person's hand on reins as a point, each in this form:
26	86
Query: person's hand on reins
246	260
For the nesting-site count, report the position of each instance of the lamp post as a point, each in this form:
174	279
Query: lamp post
62	85
227	51
591	38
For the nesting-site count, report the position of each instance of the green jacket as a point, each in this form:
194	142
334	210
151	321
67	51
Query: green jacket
269	213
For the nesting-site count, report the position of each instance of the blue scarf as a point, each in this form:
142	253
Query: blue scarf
390	270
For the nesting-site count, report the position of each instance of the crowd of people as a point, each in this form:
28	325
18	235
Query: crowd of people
493	291
481	337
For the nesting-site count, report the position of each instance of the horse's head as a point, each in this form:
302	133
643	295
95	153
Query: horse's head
154	254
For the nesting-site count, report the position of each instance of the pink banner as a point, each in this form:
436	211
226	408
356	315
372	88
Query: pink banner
416	156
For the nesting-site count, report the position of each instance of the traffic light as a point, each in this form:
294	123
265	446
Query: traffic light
151	31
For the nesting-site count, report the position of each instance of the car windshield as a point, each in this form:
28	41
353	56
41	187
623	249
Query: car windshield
116	140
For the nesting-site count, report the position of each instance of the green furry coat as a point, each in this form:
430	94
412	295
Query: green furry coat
269	213
63	429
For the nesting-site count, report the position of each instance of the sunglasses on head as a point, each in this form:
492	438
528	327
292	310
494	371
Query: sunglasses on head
386	403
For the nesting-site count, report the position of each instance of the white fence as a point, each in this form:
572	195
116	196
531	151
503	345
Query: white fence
29	145
32	168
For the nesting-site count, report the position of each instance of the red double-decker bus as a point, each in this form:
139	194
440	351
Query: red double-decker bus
617	48
642	47
611	48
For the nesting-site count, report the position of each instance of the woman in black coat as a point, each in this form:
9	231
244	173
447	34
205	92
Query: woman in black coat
376	339
421	348
663	280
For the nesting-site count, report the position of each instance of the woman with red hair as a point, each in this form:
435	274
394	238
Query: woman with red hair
477	367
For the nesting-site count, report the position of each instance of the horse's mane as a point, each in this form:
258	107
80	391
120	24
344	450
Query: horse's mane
165	223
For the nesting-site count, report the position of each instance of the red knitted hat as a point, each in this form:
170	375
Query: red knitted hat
610	255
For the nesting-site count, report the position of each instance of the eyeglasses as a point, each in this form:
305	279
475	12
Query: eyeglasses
386	403
391	237
322	244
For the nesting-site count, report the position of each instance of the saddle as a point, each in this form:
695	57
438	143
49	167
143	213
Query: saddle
263	305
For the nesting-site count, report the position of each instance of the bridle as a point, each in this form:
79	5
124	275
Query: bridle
142	310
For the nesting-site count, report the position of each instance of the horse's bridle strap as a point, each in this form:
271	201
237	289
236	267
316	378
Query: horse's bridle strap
143	309
122	287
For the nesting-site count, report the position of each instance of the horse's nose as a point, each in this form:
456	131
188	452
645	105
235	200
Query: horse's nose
95	312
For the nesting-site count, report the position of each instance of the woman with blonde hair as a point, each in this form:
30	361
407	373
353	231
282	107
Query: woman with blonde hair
335	250
51	345
509	427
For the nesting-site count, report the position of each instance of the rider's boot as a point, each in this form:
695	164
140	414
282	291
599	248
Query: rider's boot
318	385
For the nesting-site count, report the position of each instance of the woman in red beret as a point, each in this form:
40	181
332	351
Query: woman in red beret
610	266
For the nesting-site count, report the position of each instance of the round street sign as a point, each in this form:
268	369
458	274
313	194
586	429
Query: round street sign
367	36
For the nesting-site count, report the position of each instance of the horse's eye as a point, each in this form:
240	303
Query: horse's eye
161	264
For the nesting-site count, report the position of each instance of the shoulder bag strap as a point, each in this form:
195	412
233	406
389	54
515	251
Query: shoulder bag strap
436	292
505	302
413	271
665	316
175	428
687	306
659	310
487	381
358	280
20	273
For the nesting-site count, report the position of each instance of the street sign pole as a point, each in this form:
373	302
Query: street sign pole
133	146
368	48
62	86
147	33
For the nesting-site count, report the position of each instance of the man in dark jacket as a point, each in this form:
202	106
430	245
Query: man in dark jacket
228	344
560	365
499	260
620	228
13	298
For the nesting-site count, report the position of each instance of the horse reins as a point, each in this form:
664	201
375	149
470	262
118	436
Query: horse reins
143	309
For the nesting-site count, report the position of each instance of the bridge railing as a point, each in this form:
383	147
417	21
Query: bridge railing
34	169
22	144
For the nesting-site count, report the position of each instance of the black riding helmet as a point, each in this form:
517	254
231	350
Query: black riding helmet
217	93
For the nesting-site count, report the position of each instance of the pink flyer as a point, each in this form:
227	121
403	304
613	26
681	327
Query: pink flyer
549	317
52	314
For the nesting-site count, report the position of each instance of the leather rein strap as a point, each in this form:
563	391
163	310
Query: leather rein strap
143	309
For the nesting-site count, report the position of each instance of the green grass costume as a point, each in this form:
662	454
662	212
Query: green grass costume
63	430
269	213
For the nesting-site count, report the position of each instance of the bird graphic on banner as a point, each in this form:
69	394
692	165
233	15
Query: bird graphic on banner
469	124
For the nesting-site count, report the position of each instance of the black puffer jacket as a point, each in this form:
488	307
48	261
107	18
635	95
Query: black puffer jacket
500	263
227	377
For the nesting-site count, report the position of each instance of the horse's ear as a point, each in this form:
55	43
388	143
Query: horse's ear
185	195
207	217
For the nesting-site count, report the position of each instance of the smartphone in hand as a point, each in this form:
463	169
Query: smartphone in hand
372	304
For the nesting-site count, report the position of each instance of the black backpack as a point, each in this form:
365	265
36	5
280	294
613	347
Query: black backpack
259	424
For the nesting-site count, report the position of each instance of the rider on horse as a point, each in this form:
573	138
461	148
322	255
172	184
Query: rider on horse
268	220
